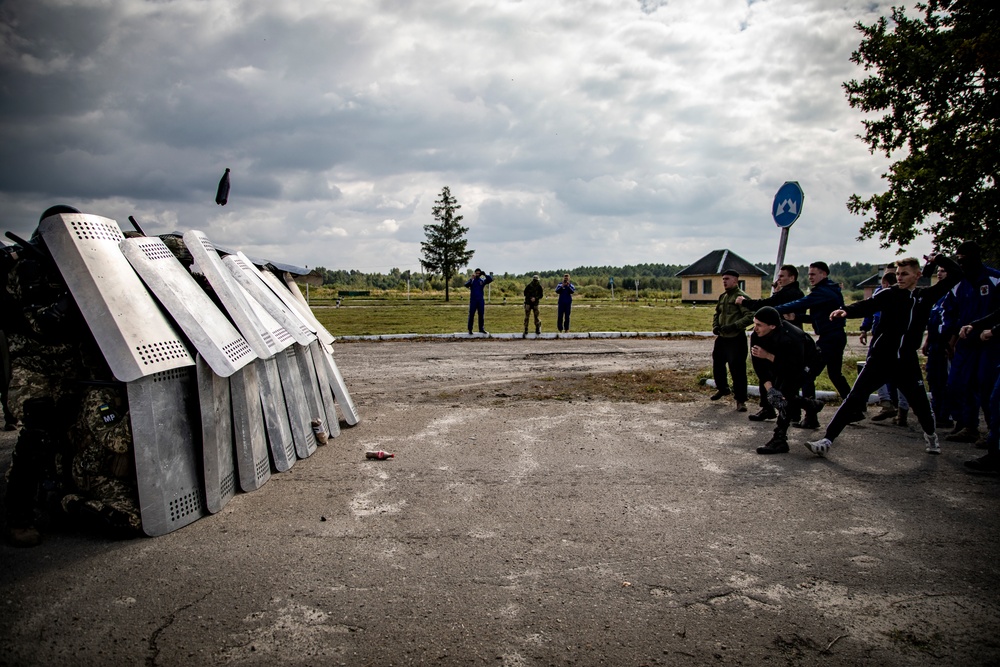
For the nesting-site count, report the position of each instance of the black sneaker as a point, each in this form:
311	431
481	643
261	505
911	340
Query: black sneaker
719	394
763	415
774	446
984	465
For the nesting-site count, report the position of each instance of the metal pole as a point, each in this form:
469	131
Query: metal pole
782	244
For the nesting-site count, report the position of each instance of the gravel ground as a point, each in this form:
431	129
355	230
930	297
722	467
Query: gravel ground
517	530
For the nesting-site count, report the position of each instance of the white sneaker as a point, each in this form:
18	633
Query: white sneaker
933	444
819	447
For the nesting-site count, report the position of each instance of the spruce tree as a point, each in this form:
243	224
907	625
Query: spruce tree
444	251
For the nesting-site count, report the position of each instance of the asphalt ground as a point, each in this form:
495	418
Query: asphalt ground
519	525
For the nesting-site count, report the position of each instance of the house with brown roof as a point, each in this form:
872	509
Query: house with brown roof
702	281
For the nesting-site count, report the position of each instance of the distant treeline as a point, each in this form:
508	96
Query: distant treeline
650	278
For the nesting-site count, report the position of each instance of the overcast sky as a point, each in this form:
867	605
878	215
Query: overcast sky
575	132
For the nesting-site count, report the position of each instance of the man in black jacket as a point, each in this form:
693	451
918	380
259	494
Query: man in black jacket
782	355
786	289
892	355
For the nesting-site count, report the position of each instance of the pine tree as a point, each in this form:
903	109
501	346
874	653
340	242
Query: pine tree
444	250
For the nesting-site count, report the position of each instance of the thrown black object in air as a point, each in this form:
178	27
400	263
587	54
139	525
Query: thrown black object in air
222	195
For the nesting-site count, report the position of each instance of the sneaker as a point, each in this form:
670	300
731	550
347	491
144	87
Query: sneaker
27	536
968	434
470	332
740	406
933	443
810	422
774	446
819	447
719	394
763	415
984	465
484	331
888	411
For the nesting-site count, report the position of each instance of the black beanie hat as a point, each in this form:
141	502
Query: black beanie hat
768	315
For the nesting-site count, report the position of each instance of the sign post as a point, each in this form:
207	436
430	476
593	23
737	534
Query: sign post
785	210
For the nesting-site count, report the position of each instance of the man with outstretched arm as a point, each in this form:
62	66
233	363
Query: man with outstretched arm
892	355
477	301
824	297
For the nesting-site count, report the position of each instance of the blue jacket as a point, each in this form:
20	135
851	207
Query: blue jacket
476	287
975	297
824	298
565	293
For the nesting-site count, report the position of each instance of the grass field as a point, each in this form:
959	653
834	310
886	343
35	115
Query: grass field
357	317
367	317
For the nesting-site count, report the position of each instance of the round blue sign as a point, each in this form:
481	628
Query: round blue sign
787	204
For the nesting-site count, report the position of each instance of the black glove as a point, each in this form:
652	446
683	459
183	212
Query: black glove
776	399
716	331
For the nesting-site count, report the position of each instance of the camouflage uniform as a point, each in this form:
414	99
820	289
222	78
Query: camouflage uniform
74	451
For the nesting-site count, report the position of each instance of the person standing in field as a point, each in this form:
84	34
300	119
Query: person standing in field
477	300
532	295
729	325
565	290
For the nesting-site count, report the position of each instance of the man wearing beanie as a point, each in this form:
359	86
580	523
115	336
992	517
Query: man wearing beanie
974	363
892	355
782	355
786	288
729	324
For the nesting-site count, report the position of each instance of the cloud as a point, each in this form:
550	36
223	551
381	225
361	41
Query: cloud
585	132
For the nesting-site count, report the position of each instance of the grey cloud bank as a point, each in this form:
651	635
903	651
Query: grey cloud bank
572	133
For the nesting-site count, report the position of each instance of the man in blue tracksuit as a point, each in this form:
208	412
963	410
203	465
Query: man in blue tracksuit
936	349
565	291
824	298
892	356
974	364
477	301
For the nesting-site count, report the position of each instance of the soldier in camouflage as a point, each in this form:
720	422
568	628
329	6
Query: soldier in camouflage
73	459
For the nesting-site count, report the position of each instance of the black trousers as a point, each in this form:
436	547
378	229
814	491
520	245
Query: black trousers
731	352
904	373
831	349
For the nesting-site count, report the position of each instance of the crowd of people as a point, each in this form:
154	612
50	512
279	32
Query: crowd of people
960	314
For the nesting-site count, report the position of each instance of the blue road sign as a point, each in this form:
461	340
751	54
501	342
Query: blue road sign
787	204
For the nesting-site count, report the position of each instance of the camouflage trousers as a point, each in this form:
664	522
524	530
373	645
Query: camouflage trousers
81	461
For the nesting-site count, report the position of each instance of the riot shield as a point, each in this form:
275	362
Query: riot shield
299	411
135	337
216	437
252	461
211	333
279	431
246	274
207	259
162	410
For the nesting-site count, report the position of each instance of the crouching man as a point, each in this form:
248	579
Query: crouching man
783	355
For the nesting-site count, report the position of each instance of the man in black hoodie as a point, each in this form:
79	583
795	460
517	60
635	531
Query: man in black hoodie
824	298
786	289
892	355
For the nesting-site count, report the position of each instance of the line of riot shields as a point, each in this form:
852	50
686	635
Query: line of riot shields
229	375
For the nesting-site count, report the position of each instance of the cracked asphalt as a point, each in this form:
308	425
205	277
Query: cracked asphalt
516	531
